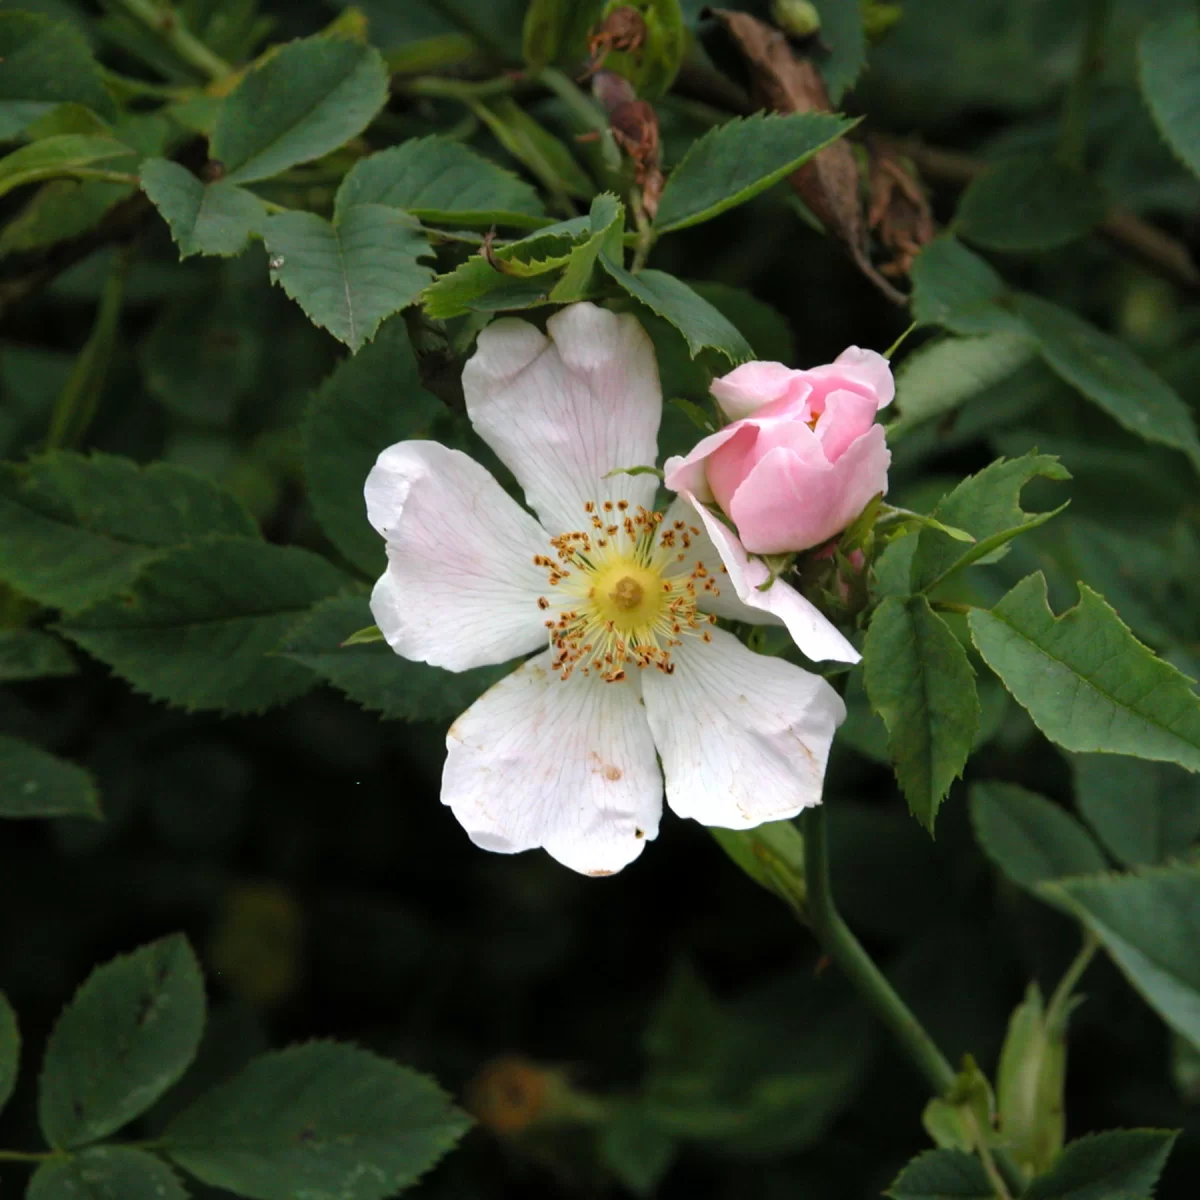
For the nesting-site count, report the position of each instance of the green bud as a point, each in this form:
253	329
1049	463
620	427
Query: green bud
653	64
962	1119
878	18
797	17
1030	1082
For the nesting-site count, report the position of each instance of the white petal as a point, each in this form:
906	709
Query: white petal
460	589
567	765
565	410
725	603
811	630
744	738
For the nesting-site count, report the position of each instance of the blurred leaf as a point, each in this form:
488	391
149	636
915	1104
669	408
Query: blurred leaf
701	324
200	624
374	675
328	1121
944	374
441	180
920	682
349	276
34	783
1032	202
371	401
205	218
105	1173
772	855
1085	680
764	327
1109	374
31	654
1144	813
1029	838
306	99
63	208
1150	925
46	63
536	147
942	1175
56	156
955	288
128	1034
635	1152
1169	56
842	32
10	1050
734	162
988	506
74	529
556	31
1108	1164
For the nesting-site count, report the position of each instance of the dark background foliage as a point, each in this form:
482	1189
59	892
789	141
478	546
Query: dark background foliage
305	853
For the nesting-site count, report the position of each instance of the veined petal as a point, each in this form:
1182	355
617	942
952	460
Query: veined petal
811	630
460	589
743	737
567	765
565	410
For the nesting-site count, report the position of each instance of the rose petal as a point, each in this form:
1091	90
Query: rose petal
743	737
857	370
460	589
813	633
847	416
568	765
748	387
563	411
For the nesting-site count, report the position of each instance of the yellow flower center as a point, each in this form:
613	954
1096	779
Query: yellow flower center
623	592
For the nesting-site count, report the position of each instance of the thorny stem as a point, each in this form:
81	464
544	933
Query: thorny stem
167	24
1072	143
856	964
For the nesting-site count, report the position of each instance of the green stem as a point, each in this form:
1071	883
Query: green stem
1056	1009
31	1156
1072	142
167	24
645	231
462	90
899	341
856	964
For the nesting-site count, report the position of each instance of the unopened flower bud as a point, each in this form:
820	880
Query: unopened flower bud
797	17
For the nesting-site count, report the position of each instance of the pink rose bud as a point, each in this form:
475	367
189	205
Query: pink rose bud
803	456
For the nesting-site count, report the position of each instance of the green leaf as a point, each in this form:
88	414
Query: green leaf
556	31
734	162
955	288
34	783
129	1033
1144	813
1169	60
1086	681
1150	925
843	34
1029	838
944	374
942	1175
74	529
301	102
988	506
772	855
374	675
106	1173
370	401
701	324
10	1050
1109	374
637	1154
51	157
31	654
1031	202
204	218
441	180
536	147
920	682
606	222
1103	1165
200	625
351	275
46	63
322	1120
764	327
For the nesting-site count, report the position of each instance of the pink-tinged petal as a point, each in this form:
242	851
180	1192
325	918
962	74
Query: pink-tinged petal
563	411
789	503
747	388
729	463
847	416
743	737
568	765
810	629
689	472
855	370
460	589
